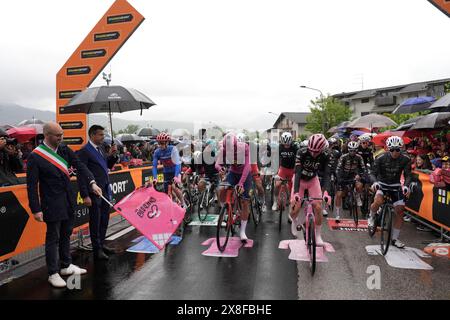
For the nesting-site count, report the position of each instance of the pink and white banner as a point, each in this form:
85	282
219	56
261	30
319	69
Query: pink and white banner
153	213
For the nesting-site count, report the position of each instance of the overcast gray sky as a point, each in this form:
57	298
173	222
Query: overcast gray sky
230	62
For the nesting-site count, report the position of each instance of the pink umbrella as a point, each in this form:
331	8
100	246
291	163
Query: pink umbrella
22	134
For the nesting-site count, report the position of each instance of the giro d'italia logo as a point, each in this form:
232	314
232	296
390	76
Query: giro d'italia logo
444	196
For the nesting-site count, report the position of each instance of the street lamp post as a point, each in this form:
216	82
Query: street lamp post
322	104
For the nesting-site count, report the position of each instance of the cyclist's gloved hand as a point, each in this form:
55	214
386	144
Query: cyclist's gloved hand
376	186
240	188
297	197
177	180
327	198
405	190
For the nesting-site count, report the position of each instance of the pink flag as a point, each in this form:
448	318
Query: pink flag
153	213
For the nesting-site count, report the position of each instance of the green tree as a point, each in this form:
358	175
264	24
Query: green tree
131	128
447	87
326	114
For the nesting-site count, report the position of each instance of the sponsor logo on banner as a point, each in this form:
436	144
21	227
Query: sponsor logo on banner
68	94
13	219
73	140
441	205
86	54
71	125
121	185
106	36
147	176
78	70
120	18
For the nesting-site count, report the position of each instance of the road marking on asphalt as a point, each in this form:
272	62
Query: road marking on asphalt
121	233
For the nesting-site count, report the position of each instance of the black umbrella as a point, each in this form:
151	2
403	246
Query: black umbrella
107	99
407	124
148	132
443	104
433	121
129	137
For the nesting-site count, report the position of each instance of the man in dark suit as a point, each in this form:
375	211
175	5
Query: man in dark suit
98	161
48	166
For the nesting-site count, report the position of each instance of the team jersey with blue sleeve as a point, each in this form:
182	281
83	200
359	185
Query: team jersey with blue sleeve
169	158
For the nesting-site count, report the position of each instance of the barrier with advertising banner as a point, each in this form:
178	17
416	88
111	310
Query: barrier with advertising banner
429	202
19	232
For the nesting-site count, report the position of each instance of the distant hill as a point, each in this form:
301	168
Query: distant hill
12	114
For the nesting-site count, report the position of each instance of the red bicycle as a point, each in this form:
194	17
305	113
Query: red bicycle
229	216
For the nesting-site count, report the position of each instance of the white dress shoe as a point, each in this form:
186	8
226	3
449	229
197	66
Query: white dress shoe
73	269
56	281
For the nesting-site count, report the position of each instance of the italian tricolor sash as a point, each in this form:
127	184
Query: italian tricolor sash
52	157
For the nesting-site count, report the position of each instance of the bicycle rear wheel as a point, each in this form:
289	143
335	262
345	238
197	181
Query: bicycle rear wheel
311	245
223	232
386	228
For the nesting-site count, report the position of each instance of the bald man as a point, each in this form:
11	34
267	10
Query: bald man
48	166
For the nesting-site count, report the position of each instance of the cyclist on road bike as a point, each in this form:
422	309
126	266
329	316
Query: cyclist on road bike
236	155
242	137
387	172
169	157
309	162
365	150
204	163
287	154
350	167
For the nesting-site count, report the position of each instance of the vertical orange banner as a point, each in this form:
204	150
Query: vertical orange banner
443	5
87	61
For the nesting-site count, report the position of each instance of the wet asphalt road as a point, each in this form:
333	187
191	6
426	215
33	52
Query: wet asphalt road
262	272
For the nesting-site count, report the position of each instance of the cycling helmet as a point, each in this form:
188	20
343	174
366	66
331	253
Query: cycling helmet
332	141
229	140
365	138
241	137
163	137
286	138
304	143
394	142
317	143
353	145
197	157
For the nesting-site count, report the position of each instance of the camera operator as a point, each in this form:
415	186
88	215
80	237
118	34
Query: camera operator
10	160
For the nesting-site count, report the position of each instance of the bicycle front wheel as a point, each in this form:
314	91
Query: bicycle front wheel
188	215
386	228
203	205
311	245
223	231
281	204
255	208
354	208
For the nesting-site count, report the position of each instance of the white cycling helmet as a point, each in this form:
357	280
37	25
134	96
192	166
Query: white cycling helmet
394	142
286	138
241	137
353	145
365	138
304	144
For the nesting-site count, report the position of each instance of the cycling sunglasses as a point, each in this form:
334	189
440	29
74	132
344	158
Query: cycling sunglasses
395	150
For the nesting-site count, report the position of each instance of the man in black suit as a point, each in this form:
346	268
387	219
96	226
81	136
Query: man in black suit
48	166
98	161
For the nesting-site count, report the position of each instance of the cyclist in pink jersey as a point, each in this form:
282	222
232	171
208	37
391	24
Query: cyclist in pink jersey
310	161
236	156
